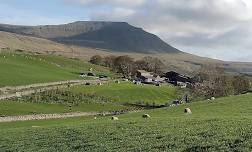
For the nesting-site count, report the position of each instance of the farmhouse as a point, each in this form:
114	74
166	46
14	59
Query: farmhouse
148	77
159	79
144	76
143	73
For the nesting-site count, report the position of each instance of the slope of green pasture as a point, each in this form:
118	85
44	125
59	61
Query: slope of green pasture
221	125
22	69
130	93
12	108
77	66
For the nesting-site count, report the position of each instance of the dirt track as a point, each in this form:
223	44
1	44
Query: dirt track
12	92
60	115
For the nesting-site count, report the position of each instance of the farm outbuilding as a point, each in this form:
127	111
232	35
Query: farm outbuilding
143	73
177	79
91	74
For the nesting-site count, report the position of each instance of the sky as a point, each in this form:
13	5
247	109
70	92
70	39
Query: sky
220	29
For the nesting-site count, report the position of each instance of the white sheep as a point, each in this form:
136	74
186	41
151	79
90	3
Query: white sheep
146	116
114	118
212	98
188	111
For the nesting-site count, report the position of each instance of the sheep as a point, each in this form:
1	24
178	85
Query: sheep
212	98
188	111
146	116
114	118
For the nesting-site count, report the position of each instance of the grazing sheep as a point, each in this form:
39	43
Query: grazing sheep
114	118
188	111
117	81
146	116
95	118
212	98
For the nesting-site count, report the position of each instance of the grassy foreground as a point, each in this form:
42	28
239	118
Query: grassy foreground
130	93
221	125
21	69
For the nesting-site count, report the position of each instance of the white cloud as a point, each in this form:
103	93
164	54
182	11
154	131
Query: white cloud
211	26
118	14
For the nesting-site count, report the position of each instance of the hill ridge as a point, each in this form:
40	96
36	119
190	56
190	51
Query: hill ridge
114	36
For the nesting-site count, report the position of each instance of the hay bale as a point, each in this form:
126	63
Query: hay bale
146	116
114	118
188	111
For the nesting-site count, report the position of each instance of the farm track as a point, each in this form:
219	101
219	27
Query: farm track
60	115
19	91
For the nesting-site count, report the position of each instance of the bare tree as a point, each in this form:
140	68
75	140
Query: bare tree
109	61
150	64
96	59
213	82
241	84
124	65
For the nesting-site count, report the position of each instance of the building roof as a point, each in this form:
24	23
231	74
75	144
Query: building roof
142	71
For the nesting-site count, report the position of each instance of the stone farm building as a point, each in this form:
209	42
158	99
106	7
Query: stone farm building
148	77
178	79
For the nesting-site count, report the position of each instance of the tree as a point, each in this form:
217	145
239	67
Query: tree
241	84
212	82
158	66
124	65
150	64
96	59
109	61
140	65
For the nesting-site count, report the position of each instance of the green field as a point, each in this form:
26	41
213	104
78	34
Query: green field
127	92
21	69
220	125
12	108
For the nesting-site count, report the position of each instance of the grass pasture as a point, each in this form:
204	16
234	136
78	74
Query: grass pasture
21	69
13	108
127	92
221	125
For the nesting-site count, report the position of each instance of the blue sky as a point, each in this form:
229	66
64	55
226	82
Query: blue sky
37	12
219	29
